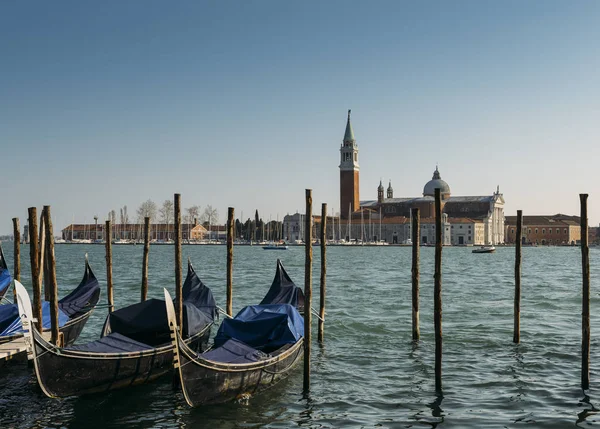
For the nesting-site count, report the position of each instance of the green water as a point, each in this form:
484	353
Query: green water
368	373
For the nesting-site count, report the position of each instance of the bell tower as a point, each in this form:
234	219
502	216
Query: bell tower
349	169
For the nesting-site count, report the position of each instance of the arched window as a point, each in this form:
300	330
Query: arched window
543	230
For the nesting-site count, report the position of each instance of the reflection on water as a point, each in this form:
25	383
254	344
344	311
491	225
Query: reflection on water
369	372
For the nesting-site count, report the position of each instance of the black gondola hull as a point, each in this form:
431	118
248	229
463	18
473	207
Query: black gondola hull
63	373
206	382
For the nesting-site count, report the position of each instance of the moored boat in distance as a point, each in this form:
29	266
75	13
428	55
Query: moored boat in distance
484	249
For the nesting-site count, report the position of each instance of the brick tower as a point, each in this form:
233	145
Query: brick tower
349	194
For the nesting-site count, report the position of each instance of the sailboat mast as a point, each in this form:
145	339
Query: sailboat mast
362	228
380	224
349	223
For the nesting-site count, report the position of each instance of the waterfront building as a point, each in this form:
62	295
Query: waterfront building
558	229
485	213
130	231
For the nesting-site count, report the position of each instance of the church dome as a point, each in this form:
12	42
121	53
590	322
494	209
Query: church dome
436	182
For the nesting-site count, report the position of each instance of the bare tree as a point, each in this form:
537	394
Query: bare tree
167	215
146	209
166	212
191	214
210	216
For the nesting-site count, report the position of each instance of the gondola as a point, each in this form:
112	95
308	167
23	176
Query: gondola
74	311
5	277
251	352
135	346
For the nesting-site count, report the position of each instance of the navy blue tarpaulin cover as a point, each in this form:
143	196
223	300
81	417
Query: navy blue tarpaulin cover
5	277
10	322
283	290
146	322
112	343
80	300
263	327
83	297
234	351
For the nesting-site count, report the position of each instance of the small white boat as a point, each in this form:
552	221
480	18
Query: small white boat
275	247
485	249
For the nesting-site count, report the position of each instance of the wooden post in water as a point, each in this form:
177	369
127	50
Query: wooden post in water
416	250
230	223
145	260
109	280
307	287
44	267
517	324
323	240
17	252
437	291
178	286
52	277
33	257
585	312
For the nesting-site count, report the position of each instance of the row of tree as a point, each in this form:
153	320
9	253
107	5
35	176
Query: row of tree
256	230
166	214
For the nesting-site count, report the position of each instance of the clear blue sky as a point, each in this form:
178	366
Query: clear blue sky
243	104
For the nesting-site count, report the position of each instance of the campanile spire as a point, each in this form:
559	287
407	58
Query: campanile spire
349	171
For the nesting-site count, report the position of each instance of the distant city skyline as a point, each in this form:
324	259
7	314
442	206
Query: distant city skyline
245	104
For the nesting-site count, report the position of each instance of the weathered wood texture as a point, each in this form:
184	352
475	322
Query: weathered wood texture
307	287
230	224
585	311
16	253
437	291
416	251
178	285
55	339
42	260
517	321
323	240
144	294
109	279
35	267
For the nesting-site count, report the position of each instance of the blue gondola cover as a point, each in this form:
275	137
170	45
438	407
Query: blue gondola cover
11	322
234	351
5	277
146	322
83	296
263	327
112	343
283	290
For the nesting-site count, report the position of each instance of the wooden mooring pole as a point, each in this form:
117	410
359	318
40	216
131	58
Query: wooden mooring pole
109	280
35	267
437	291
307	287
178	285
585	312
145	258
230	223
416	250
517	324
323	240
17	252
44	267
52	277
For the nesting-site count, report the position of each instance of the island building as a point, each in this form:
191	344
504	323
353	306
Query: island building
552	230
467	220
133	232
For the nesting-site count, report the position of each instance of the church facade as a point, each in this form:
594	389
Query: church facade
468	220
